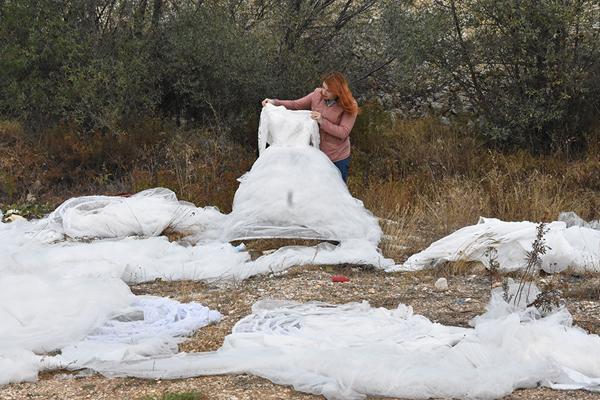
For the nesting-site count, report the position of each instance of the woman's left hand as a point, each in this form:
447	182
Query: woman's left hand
316	116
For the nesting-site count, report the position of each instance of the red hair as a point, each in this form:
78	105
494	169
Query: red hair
338	85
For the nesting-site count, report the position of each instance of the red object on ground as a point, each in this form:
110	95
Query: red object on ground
339	278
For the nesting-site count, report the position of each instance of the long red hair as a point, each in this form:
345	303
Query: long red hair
338	85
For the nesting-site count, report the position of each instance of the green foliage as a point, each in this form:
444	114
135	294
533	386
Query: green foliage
530	67
106	64
178	396
29	210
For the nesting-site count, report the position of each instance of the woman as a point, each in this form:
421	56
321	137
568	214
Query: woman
335	110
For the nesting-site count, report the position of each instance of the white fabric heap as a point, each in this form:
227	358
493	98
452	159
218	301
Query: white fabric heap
136	260
572	219
43	312
293	190
150	327
147	213
283	128
353	350
576	247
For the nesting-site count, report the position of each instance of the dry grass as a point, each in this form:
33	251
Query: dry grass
21	163
199	165
583	287
427	179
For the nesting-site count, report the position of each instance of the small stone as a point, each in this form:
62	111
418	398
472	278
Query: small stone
436	105
441	284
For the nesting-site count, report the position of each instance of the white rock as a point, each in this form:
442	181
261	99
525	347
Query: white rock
436	105
441	284
14	217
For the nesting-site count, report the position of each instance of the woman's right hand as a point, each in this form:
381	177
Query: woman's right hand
265	101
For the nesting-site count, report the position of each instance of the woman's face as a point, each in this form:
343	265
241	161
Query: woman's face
326	93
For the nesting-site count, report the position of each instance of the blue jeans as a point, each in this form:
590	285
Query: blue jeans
344	167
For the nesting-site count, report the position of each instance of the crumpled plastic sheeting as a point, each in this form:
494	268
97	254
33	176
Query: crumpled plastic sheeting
572	219
74	314
359	252
281	127
353	350
574	247
147	213
54	293
41	313
150	327
306	198
137	260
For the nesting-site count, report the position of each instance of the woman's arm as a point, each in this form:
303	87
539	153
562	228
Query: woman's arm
301	104
342	130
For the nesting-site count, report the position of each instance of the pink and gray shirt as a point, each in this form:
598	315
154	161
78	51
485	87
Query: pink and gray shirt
335	125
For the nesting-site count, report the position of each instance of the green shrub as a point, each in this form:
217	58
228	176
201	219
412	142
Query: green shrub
529	67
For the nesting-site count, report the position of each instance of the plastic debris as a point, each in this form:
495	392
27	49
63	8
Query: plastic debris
340	278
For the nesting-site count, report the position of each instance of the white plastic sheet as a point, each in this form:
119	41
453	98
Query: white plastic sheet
283	128
43	312
147	213
353	350
575	247
293	190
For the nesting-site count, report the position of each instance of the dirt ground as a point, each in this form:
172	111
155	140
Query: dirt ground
466	297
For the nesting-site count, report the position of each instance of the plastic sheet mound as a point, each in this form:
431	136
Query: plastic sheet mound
576	246
147	213
353	350
85	317
293	190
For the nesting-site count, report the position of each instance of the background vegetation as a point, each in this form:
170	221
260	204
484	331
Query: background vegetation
114	96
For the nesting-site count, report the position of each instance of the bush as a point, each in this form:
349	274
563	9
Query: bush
103	65
530	67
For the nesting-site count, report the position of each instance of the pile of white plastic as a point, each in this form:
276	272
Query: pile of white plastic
353	350
571	243
41	312
63	277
